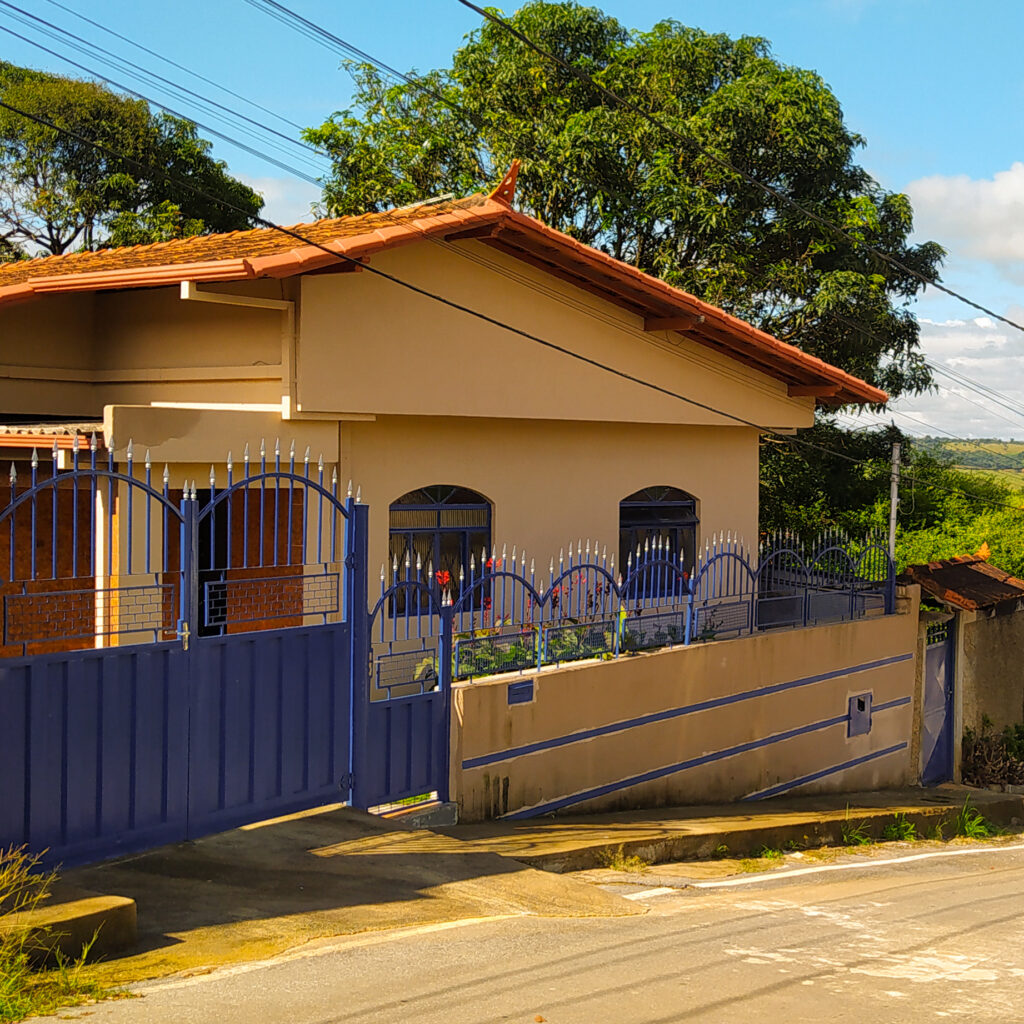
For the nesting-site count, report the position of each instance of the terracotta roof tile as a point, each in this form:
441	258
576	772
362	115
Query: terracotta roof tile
967	581
268	252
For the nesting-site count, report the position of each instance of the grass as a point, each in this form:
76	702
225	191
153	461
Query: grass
26	988
618	861
970	823
855	833
900	829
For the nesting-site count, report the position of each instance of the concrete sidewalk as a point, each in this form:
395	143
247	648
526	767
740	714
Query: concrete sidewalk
582	842
257	891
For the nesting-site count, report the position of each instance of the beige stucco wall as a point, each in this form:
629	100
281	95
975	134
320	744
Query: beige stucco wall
594	695
70	355
991	673
369	345
550	483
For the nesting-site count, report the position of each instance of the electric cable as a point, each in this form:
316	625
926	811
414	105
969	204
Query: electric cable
451	303
725	164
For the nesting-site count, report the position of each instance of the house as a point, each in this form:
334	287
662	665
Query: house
554	464
971	671
350	339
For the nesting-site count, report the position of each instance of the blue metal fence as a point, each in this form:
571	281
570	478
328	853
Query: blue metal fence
174	661
499	615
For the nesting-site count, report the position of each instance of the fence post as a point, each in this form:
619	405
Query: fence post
445	685
357	587
188	622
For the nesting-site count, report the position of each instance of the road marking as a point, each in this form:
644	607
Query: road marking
775	876
661	890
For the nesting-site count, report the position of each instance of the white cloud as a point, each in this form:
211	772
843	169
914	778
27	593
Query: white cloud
984	350
288	200
977	219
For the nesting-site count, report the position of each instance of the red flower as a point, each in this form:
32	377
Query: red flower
487	604
493	563
443	577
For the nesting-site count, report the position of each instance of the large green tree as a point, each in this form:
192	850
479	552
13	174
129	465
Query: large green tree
57	192
613	179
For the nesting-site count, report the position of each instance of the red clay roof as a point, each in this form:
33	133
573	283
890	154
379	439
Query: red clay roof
968	581
266	252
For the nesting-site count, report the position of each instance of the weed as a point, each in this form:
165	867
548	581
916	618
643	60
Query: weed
854	833
24	987
721	852
619	861
970	823
939	830
791	845
767	853
752	864
900	829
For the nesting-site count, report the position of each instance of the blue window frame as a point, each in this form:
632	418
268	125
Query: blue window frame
442	525
654	513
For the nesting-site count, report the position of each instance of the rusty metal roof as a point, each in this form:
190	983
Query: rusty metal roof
969	582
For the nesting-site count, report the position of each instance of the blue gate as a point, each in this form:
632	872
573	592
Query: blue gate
402	726
937	715
173	662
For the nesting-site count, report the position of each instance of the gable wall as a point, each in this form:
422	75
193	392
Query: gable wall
431	360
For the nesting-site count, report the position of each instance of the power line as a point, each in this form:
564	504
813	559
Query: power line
123	65
174	64
331	41
138	95
725	164
486	318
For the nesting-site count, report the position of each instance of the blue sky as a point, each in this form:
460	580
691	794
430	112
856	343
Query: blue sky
935	86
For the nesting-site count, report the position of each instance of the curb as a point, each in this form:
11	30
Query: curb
820	828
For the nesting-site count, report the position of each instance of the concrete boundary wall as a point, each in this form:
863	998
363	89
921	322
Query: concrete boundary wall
825	709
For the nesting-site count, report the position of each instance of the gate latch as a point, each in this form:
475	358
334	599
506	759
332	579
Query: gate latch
184	632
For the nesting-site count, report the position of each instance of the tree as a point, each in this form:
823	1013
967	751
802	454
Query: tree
57	192
613	179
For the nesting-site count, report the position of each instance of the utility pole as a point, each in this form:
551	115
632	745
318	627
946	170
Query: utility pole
894	497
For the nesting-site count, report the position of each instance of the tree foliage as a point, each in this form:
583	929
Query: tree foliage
943	510
611	178
57	192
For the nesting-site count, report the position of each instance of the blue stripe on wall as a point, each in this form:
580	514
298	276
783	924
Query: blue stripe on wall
890	704
784	787
689	709
671	769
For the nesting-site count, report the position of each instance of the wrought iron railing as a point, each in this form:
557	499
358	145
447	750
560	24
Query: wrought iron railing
499	615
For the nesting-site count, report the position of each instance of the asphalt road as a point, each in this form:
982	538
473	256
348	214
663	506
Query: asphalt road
919	940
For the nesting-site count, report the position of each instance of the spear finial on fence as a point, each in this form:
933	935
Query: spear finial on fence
320	463
419	564
472	562
35	459
148	461
213	477
503	547
167	474
408	560
13	475
382	574
394	564
263	447
532	569
359	495
56	451
92	441
305	456
230	463
291	451
579	547
513	558
348	493
588	549
551	564
462	575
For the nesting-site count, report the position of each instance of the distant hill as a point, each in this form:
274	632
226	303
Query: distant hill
1002	459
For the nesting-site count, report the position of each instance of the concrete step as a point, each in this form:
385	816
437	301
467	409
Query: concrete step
429	814
72	920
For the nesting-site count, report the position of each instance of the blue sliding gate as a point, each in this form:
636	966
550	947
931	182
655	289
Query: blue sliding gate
179	662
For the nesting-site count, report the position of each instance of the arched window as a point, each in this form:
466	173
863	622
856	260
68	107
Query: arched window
658	512
441	525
